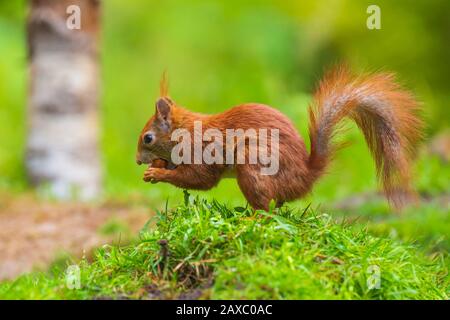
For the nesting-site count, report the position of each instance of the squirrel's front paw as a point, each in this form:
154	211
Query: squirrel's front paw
154	175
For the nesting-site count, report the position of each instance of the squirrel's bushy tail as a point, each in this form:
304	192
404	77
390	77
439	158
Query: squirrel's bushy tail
387	116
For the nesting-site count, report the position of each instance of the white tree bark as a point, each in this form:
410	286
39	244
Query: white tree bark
62	145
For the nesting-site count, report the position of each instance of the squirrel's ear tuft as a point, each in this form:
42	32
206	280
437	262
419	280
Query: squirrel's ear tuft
164	85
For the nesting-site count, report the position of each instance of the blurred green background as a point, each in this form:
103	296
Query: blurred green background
223	53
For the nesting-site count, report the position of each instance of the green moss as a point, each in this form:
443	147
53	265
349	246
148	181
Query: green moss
235	253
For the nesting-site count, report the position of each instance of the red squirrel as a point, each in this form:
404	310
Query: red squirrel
387	115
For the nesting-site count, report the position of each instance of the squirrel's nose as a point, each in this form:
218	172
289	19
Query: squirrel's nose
139	162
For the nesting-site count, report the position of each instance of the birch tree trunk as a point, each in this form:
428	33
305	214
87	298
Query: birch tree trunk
62	146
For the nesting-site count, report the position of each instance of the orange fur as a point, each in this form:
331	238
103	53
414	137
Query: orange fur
386	114
164	85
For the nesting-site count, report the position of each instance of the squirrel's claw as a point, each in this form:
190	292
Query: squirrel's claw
152	175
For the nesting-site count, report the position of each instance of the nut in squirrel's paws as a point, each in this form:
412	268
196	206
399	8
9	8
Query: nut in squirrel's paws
159	163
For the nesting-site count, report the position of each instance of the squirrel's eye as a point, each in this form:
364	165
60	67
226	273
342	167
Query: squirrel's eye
148	138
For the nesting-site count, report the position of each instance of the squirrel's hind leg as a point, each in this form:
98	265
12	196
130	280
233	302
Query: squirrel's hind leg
257	188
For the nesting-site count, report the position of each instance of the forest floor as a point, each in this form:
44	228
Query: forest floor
207	250
36	233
